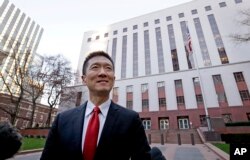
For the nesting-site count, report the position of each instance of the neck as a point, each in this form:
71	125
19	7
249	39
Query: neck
98	100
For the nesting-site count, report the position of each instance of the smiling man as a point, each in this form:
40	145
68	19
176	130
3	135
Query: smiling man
99	129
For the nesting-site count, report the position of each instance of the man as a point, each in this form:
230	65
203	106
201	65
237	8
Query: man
10	140
120	134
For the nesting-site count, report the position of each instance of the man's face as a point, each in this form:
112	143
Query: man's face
99	76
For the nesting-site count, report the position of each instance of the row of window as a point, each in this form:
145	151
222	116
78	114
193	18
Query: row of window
218	84
183	122
174	51
168	18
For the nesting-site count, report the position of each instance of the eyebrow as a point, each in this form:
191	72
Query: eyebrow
104	63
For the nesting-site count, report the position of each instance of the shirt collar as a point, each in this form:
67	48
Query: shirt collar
104	107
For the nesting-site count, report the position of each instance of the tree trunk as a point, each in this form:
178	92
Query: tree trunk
32	114
12	119
49	117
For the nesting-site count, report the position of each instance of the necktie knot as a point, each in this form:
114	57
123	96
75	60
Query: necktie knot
97	110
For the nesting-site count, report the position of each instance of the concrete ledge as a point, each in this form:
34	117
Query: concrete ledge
201	135
30	151
218	151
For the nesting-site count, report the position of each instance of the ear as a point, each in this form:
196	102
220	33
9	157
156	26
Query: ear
83	79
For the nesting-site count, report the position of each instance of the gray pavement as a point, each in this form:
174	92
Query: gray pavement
29	156
170	151
190	152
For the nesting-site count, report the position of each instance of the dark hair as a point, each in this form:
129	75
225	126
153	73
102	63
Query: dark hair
95	54
10	140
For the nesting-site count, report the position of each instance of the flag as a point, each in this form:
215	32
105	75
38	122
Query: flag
188	41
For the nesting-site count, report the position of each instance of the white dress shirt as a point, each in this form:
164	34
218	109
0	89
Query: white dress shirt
104	107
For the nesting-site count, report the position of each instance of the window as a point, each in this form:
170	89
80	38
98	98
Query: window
125	29
129	104
163	123
114	46
129	89
28	114
227	118
78	98
244	94
202	42
186	39
178	83
196	81
144	87
145	103
115	94
106	34
159	50
248	116
147	52
115	91
160	84
175	61
194	11
208	8
162	102
181	15
97	37
238	1
168	18
222	4
199	99
217	79
180	100
135	27
203	120
124	56
218	39
145	24
157	21
221	97
89	39
135	54
146	124
239	77
41	117
115	32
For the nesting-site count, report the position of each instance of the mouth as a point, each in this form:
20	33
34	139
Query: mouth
102	81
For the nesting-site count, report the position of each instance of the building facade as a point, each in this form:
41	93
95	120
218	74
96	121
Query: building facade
178	65
19	35
24	114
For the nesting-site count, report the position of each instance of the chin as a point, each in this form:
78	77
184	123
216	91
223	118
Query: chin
103	90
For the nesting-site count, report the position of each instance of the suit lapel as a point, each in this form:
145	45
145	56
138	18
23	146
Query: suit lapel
78	127
109	124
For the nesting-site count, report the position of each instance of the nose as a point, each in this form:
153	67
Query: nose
102	72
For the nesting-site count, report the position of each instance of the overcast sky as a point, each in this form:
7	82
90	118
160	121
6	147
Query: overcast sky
65	21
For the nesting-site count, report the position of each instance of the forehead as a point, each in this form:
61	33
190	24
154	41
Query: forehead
99	60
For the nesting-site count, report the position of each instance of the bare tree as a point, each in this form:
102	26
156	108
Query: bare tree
59	75
245	22
13	80
36	80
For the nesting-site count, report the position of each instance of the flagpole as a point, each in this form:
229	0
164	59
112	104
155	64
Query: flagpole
202	91
191	51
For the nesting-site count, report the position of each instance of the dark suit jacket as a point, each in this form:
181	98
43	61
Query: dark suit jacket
122	137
